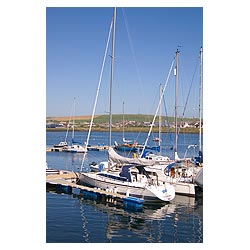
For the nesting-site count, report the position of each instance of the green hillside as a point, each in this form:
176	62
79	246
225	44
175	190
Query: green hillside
133	117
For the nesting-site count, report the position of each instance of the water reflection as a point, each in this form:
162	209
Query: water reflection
100	221
171	222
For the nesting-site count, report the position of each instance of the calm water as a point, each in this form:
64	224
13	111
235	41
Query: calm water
72	219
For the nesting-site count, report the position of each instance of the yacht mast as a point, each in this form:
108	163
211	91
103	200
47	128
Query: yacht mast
112	77
176	102
123	138
200	104
160	120
97	93
73	129
157	110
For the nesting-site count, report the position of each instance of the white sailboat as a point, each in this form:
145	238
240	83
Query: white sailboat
199	177
126	145
74	147
175	174
178	172
132	179
64	143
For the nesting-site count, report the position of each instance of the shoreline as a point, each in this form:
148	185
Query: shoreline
126	130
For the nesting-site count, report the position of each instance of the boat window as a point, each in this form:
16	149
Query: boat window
119	178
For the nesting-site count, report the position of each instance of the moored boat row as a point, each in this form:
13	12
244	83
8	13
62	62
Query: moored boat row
155	178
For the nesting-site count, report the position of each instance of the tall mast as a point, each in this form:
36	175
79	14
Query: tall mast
123	138
112	77
160	119
71	114
157	110
176	101
97	92
200	104
74	110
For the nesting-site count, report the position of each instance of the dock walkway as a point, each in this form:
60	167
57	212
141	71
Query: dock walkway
90	148
68	179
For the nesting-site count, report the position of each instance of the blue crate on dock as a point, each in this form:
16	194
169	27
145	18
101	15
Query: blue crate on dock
133	203
63	188
89	195
76	190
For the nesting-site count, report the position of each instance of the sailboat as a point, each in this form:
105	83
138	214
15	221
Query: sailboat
183	167
64	143
157	172
178	172
61	144
131	179
126	145
160	159
75	147
199	160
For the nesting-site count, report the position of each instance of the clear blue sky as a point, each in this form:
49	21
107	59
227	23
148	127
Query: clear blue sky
146	41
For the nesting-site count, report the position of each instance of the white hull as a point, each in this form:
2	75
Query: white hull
199	178
75	149
61	145
183	188
141	190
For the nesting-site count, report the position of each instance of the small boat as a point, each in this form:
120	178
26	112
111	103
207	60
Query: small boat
127	147
61	144
75	149
157	139
64	143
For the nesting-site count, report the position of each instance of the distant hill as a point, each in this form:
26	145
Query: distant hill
133	123
117	118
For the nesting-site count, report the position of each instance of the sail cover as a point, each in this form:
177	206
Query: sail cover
115	158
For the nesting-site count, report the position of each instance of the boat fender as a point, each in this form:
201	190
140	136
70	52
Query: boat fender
127	193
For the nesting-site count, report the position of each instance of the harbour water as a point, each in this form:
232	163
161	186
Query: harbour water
70	219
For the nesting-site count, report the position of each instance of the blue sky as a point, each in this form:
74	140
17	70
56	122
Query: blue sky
146	41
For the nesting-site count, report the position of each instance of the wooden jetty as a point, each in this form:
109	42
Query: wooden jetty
52	149
90	148
66	182
98	148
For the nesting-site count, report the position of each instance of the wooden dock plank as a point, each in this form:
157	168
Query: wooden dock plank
64	175
63	179
94	147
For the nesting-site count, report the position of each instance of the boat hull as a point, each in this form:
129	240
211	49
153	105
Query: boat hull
75	149
187	189
199	178
127	188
